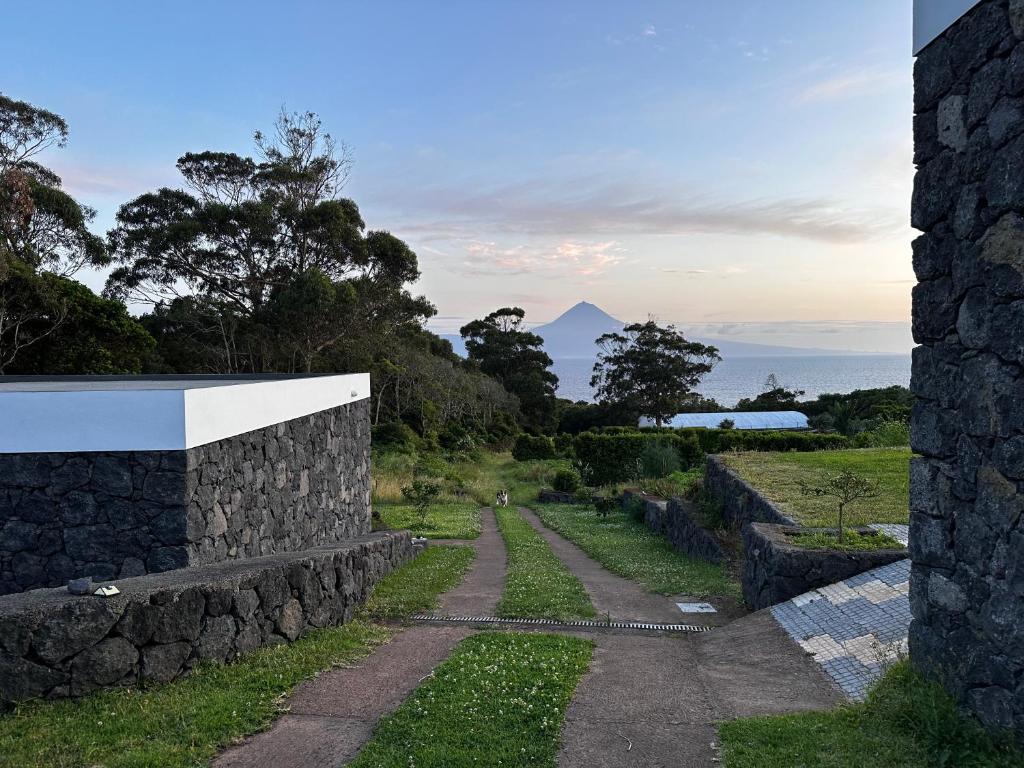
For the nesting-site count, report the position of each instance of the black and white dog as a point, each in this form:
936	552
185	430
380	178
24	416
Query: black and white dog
502	499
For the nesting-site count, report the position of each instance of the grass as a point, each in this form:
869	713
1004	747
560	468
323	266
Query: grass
907	722
777	476
415	586
852	541
447	520
538	583
182	723
499	700
628	548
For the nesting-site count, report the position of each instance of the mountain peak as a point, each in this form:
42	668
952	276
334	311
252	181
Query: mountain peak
584	310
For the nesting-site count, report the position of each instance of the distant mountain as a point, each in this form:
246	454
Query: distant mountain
571	337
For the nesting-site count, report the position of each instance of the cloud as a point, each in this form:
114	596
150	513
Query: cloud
650	31
81	179
851	83
568	258
583	208
726	271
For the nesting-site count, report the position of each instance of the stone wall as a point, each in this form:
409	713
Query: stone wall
774	570
54	645
967	526
741	503
286	487
677	520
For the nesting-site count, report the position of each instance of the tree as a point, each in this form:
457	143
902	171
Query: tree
43	230
845	487
516	358
421	493
270	254
651	369
774	397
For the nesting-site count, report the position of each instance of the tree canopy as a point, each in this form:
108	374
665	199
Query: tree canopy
515	357
651	369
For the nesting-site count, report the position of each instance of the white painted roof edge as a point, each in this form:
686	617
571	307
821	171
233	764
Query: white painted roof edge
163	419
933	17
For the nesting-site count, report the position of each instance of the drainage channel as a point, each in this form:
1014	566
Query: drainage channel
579	624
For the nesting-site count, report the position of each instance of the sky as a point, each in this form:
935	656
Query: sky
742	168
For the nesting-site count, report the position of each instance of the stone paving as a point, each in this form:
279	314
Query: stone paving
855	628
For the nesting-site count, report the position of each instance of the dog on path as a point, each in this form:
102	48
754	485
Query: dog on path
501	499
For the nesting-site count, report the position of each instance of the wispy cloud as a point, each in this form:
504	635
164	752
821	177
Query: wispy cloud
850	83
585	208
568	258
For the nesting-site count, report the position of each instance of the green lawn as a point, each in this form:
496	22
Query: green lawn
538	584
447	520
630	549
498	700
907	722
777	476
179	724
416	585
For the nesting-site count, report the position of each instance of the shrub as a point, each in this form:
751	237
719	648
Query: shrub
421	493
888	434
725	440
395	435
658	459
614	458
636	508
567	481
727	424
563	445
529	447
606	505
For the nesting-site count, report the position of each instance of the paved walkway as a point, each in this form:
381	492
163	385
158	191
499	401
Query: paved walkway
481	589
657	701
855	628
612	595
648	700
330	717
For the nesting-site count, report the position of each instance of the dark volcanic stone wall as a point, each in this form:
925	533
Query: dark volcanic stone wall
741	503
967	527
286	487
54	645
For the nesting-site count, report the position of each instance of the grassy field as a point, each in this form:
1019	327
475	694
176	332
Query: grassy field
628	548
447	520
179	724
499	700
415	587
777	476
538	584
907	722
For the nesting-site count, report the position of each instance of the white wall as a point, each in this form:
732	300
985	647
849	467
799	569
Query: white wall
933	17
162	418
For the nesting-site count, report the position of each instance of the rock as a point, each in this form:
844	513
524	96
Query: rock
131	566
17	535
217	639
180	617
76	625
952	125
89	542
290	622
164	488
946	594
112	475
163	663
106	663
81	586
21	680
1005	121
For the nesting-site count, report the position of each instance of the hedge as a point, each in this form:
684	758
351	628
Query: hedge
529	447
612	458
723	440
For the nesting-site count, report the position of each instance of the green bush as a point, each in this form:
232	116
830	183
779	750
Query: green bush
725	440
888	434
658	459
394	435
563	445
529	447
616	458
567	481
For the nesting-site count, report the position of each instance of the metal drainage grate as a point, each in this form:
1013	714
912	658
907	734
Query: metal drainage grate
583	623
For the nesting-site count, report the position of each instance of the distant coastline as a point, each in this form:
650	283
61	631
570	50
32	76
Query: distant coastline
739	377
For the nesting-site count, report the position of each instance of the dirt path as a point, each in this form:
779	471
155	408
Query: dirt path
481	589
613	595
331	717
656	701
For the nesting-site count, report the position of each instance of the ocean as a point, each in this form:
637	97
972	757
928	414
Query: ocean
738	377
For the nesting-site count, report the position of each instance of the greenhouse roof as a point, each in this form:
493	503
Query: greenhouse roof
741	420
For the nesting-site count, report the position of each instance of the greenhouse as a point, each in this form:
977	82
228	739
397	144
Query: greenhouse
739	419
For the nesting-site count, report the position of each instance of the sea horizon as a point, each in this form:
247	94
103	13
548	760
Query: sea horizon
735	378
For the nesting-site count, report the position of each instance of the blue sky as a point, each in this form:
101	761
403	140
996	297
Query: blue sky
739	167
